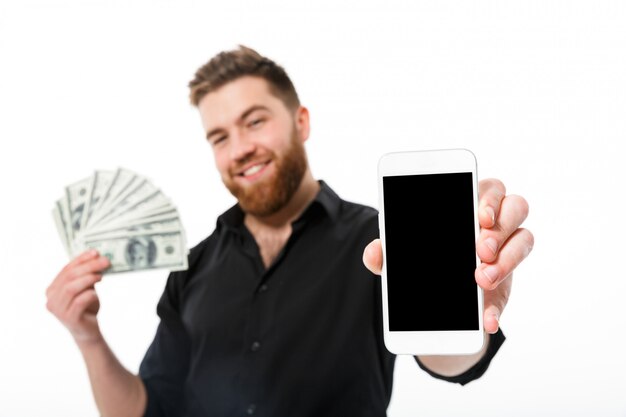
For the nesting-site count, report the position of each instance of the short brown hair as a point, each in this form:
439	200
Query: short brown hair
227	66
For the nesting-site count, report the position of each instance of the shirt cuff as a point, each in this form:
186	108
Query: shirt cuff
478	369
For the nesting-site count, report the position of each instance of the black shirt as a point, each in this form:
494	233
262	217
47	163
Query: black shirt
300	338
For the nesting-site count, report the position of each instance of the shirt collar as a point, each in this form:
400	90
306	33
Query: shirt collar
326	198
329	200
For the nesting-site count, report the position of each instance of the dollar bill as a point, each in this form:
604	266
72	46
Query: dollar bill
125	217
141	251
101	183
77	195
122	181
60	220
136	217
144	198
147	226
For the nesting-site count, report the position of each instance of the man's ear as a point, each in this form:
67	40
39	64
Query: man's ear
302	123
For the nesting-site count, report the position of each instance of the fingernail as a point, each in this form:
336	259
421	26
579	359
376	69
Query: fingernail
92	252
491	244
497	320
491	272
491	214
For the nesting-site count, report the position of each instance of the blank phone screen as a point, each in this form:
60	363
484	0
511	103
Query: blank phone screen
430	252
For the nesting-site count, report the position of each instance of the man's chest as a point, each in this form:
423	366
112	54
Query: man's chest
270	244
319	289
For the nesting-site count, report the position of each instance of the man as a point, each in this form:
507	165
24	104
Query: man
276	316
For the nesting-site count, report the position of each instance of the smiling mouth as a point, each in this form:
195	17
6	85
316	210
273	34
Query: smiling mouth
252	171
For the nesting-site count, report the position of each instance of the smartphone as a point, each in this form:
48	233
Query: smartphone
428	225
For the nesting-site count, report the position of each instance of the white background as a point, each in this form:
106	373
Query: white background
537	89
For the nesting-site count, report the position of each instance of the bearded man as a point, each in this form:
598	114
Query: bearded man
276	315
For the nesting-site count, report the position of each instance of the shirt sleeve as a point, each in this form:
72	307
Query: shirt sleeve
164	368
476	371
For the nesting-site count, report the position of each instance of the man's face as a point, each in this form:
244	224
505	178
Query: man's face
257	143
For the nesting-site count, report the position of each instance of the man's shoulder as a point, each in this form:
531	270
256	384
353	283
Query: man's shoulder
204	246
178	280
345	208
352	210
368	210
348	217
358	219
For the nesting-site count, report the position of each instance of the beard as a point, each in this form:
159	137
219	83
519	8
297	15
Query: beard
270	195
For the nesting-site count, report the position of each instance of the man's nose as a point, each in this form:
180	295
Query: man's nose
241	147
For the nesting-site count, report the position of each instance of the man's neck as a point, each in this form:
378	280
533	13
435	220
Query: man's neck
283	218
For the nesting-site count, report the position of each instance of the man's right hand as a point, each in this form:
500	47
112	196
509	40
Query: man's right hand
72	297
73	300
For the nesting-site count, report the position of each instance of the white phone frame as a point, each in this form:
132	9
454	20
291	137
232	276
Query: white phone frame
429	342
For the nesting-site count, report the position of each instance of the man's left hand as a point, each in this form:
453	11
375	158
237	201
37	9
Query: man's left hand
501	246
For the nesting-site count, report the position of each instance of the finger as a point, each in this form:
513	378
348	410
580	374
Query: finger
92	266
74	288
81	303
59	299
97	265
491	192
495	302
491	321
513	212
373	256
62	275
519	245
83	257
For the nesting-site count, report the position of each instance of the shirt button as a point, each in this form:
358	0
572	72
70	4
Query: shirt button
251	409
255	346
263	288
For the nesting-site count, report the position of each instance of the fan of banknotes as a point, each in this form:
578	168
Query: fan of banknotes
126	218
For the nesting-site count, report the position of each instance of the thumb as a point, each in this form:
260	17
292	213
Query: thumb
491	319
373	256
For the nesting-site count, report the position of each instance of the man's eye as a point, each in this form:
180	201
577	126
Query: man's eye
255	123
218	140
